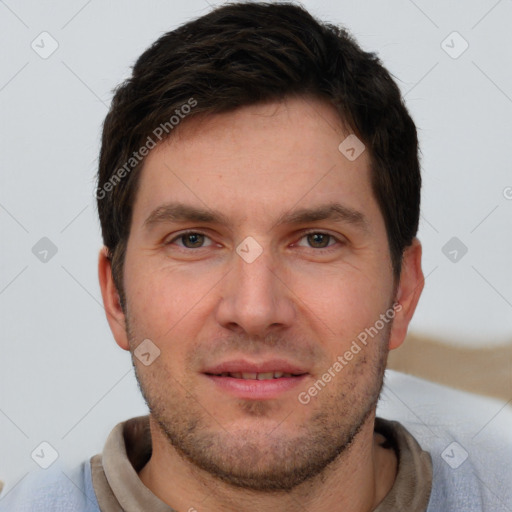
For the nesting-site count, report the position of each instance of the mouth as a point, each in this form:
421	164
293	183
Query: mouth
255	375
255	381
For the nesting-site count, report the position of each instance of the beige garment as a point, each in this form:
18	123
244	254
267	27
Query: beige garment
128	447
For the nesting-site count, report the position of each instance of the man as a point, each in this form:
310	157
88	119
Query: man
259	194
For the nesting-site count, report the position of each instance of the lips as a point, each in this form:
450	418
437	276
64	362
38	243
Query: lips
256	376
256	380
263	370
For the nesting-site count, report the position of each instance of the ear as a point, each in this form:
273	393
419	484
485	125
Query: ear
112	304
408	293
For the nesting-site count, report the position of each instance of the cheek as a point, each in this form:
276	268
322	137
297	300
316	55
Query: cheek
346	300
164	302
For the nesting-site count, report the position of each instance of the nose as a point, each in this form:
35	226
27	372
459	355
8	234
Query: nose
255	299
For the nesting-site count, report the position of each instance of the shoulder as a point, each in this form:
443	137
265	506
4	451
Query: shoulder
467	436
57	489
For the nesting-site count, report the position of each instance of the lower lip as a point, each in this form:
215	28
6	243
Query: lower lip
256	389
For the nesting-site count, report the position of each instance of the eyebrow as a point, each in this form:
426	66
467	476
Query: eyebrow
332	211
179	212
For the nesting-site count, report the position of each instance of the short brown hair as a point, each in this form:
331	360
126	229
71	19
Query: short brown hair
246	53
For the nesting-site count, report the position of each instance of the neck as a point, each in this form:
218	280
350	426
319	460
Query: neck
357	481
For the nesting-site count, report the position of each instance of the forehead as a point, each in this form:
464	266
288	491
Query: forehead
257	161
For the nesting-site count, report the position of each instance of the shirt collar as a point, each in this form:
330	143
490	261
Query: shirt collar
128	447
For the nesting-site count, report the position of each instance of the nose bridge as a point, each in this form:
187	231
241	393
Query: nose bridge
256	279
254	298
254	284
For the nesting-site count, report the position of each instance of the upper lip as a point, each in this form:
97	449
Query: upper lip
244	366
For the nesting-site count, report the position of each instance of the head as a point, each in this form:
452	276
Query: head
239	234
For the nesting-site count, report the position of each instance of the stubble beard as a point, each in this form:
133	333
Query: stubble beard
274	460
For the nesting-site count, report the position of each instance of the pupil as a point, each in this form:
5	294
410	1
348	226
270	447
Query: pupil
318	240
193	240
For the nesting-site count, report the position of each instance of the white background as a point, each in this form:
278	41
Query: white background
62	377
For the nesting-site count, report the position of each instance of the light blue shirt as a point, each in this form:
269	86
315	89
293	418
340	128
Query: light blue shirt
54	491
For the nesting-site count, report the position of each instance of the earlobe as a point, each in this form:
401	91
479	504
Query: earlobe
408	293
111	302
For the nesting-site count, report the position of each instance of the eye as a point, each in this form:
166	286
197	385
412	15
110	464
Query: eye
318	240
191	240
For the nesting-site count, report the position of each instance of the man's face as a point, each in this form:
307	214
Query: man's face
283	265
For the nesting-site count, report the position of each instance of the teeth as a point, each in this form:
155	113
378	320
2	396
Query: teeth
256	376
265	376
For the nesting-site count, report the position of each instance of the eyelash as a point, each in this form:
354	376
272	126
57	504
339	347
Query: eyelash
303	235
